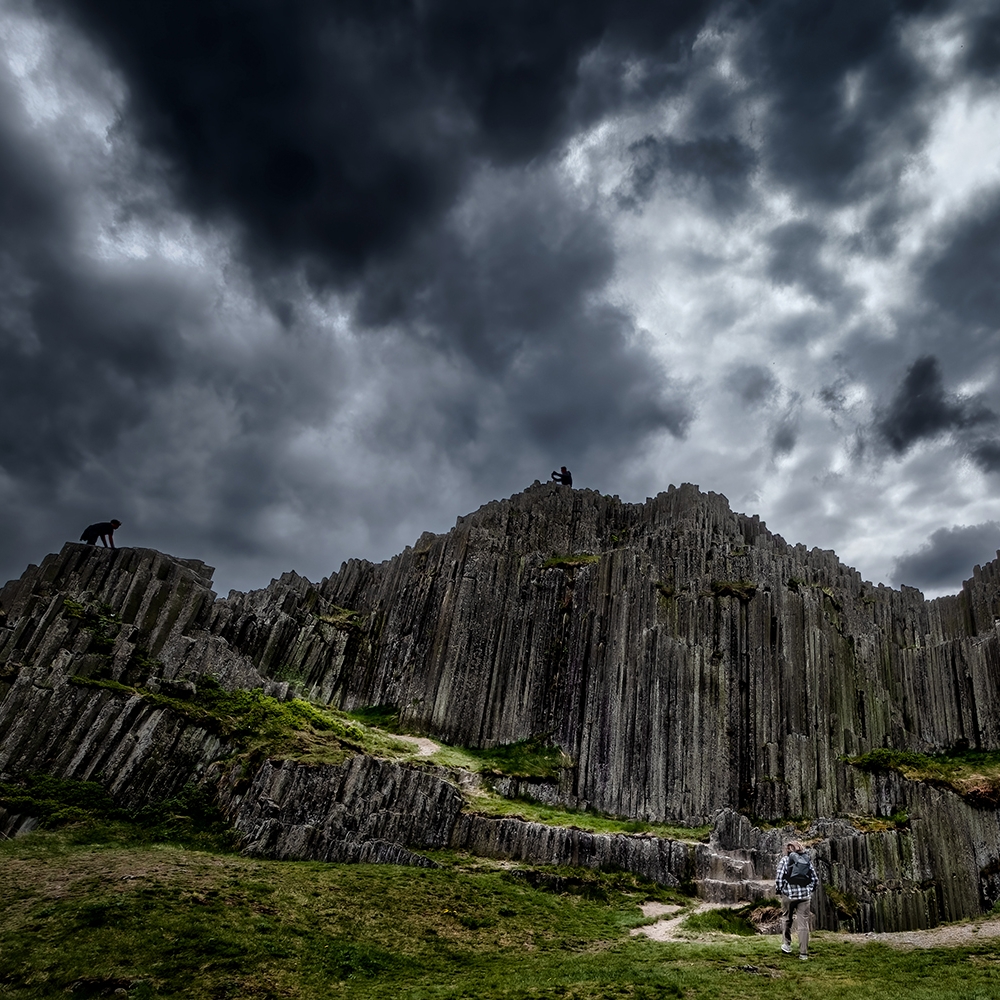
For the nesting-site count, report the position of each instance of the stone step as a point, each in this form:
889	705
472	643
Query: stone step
734	891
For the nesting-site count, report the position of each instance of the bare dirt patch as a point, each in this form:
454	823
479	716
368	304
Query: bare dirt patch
109	869
424	746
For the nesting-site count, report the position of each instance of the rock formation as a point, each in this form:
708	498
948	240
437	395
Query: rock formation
692	666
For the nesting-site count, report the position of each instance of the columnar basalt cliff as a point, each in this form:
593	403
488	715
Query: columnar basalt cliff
691	665
683	656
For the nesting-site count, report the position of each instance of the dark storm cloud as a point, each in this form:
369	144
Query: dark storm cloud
784	437
111	379
983	44
844	94
962	276
986	454
332	132
508	284
921	408
948	557
403	159
336	138
723	166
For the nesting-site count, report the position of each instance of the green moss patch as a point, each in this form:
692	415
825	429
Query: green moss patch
342	618
973	774
255	723
534	757
99	620
537	812
189	817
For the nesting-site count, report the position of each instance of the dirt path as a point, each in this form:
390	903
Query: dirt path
425	747
669	928
945	936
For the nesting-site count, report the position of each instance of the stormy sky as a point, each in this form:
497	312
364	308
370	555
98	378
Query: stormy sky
286	283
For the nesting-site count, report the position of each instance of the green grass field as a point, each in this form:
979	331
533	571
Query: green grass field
94	909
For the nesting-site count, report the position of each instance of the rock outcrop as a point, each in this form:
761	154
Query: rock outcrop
691	665
695	662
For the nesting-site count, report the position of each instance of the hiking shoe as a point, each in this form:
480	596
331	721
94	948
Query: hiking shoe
803	958
787	949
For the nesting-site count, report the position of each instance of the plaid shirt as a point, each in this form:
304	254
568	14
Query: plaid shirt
785	888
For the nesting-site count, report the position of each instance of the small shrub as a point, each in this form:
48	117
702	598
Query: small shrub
342	618
99	620
57	801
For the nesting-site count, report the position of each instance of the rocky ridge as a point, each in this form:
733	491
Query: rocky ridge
691	665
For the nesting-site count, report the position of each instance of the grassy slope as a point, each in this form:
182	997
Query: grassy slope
257	726
89	910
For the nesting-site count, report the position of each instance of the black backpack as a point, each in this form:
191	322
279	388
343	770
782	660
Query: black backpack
799	869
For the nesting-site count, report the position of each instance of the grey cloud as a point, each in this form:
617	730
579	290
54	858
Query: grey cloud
785	431
722	166
754	384
800	55
983	43
948	557
784	437
986	454
921	408
795	249
510	287
832	396
332	133
962	276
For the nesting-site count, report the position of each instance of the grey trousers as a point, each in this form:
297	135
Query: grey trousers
796	911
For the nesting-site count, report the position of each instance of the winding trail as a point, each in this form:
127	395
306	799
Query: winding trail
943	936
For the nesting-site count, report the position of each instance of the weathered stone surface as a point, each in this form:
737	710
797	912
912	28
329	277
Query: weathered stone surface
700	663
668	862
363	809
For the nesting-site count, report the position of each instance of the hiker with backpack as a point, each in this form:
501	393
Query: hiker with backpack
794	882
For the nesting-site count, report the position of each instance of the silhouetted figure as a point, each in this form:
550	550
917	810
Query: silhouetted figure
104	530
563	476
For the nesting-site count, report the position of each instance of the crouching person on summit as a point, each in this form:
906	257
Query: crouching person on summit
104	530
794	882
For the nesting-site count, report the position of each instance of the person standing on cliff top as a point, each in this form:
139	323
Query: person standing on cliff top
104	530
563	476
794	882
